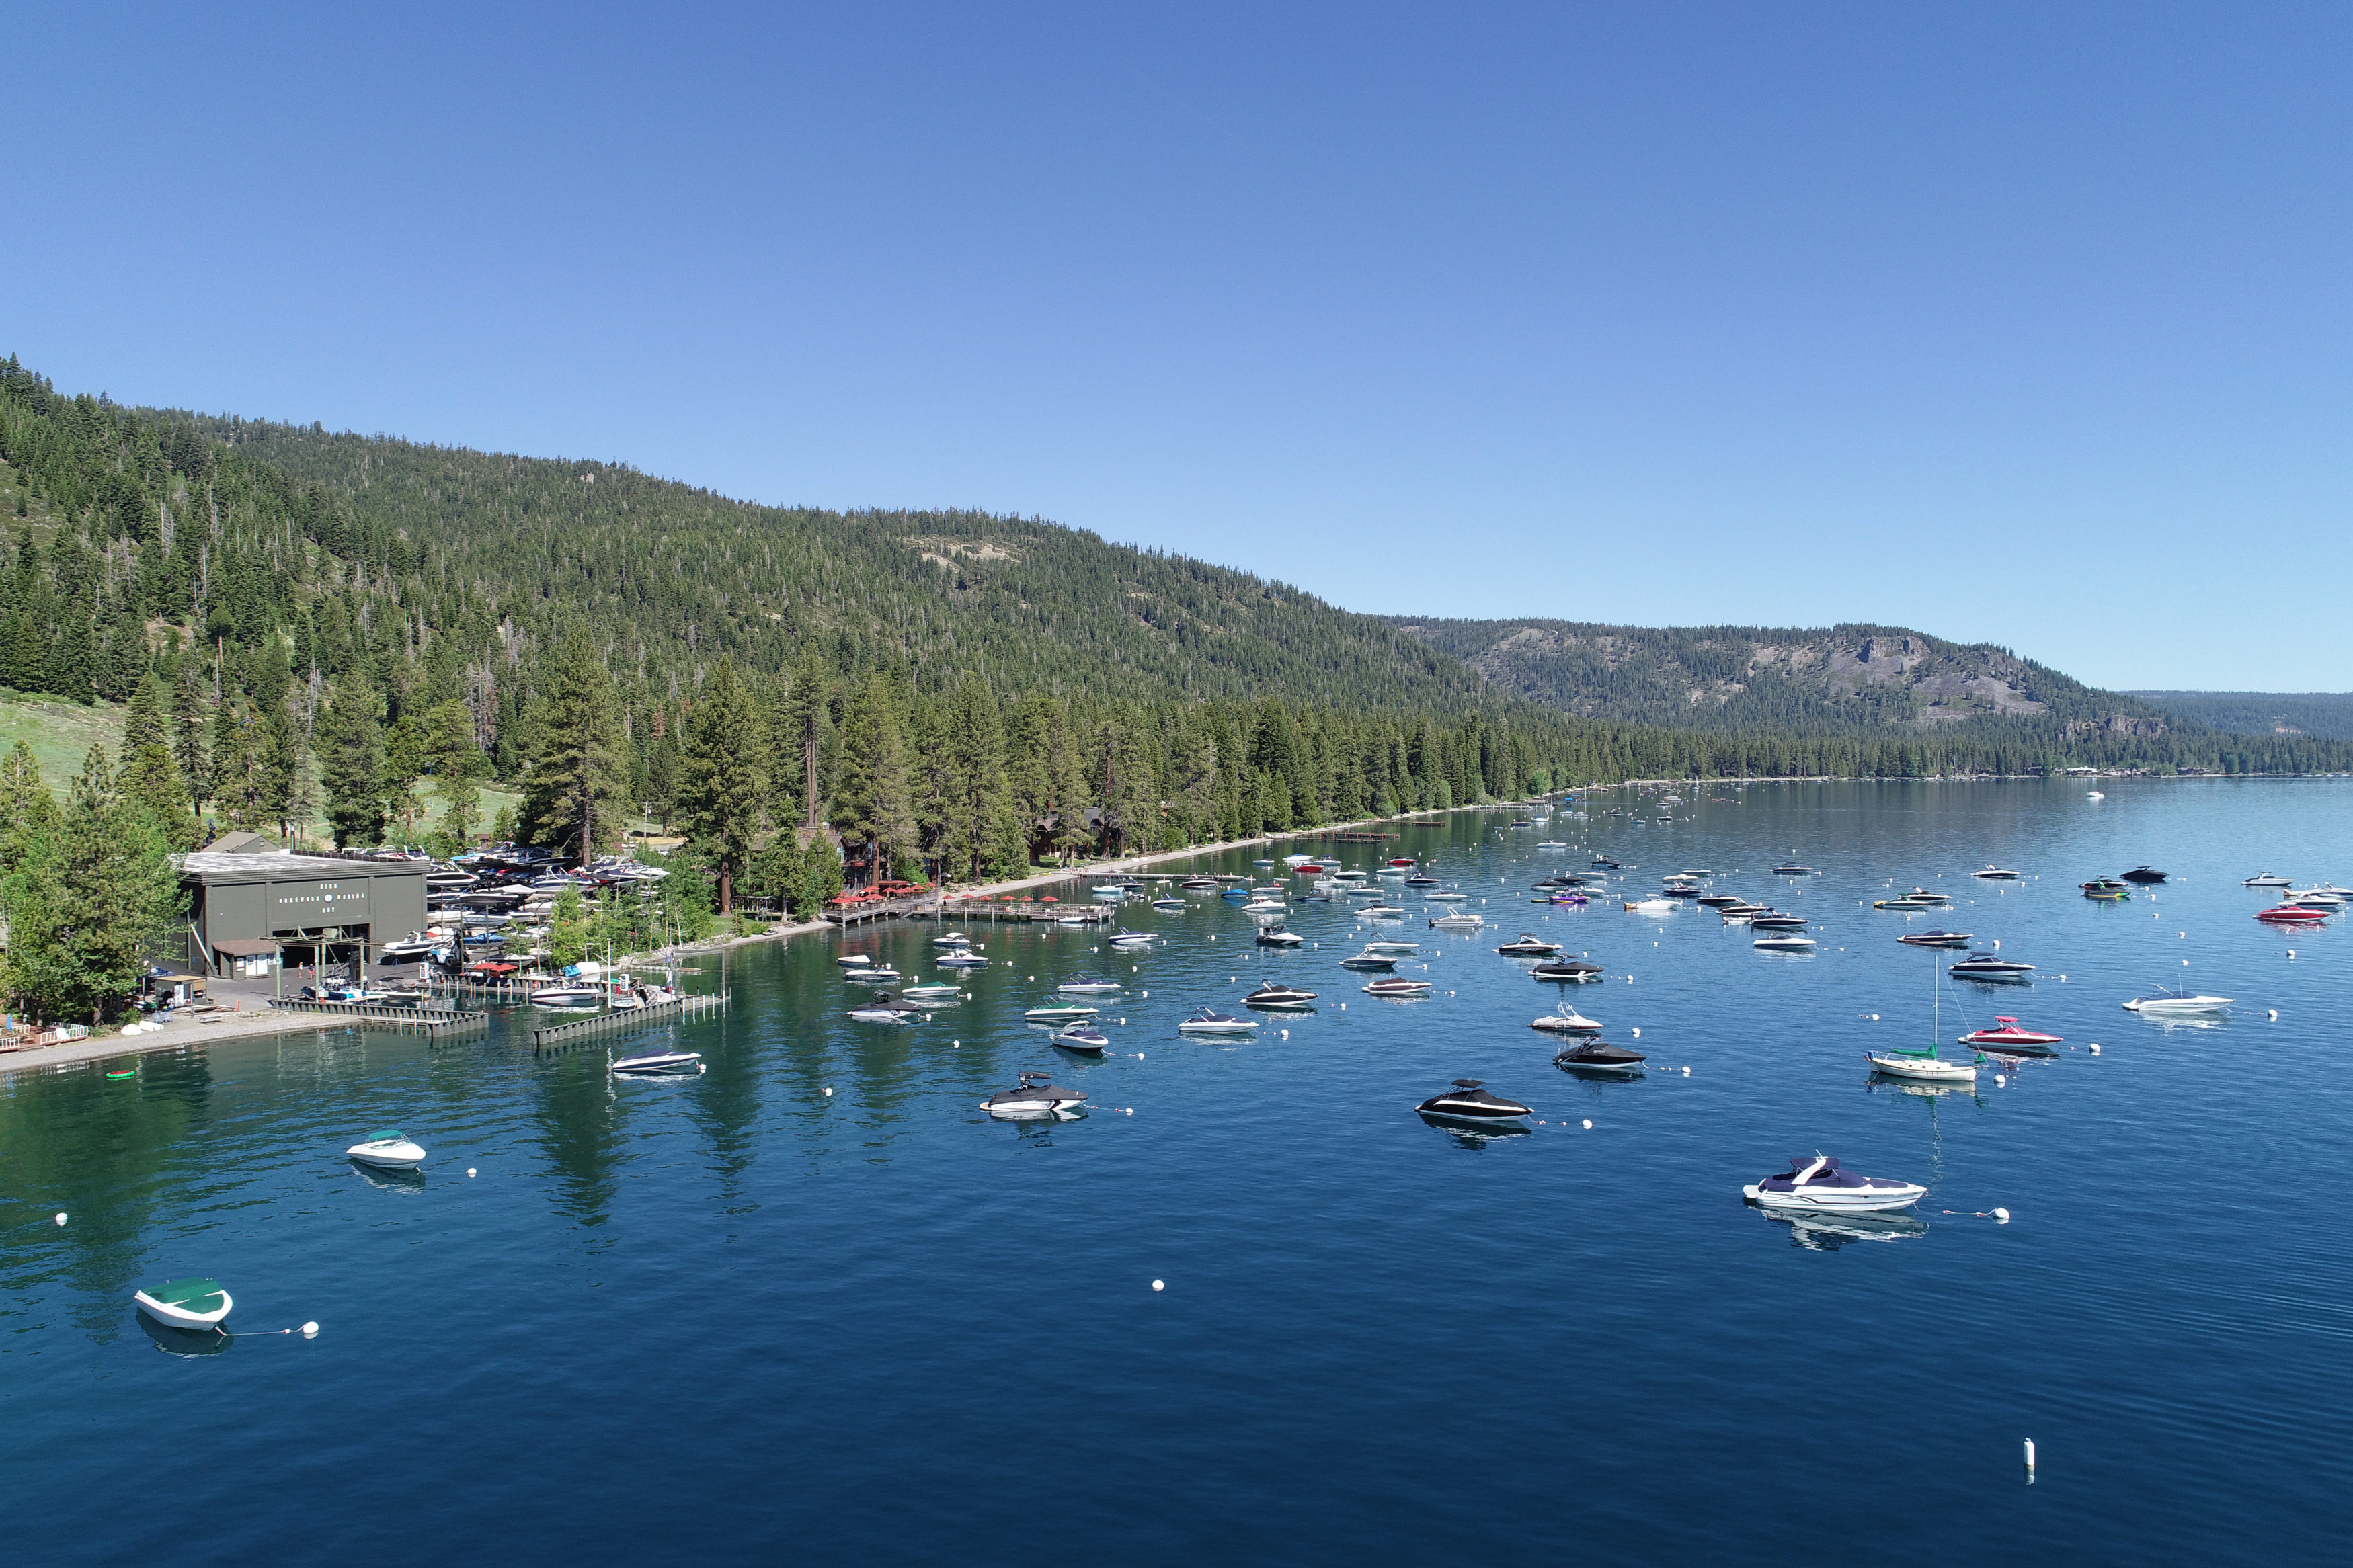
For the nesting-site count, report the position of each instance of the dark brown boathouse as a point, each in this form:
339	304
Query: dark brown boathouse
248	912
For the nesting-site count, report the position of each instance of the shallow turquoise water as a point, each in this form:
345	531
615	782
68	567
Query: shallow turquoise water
732	1318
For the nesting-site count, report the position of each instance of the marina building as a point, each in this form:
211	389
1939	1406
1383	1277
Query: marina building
252	912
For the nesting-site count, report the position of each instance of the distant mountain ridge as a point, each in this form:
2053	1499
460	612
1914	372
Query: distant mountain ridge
1807	680
2323	715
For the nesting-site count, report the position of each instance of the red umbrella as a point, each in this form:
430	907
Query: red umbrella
1049	899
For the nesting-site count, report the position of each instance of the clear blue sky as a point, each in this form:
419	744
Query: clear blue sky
2019	323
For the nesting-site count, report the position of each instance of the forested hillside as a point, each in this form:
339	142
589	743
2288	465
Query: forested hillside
308	626
1788	680
2323	715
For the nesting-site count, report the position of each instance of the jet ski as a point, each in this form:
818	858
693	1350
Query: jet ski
1527	945
1209	1021
1393	985
1821	1182
1599	1055
1037	1096
1986	967
1567	1021
1468	1100
1938	937
1082	1039
1573	969
2011	1041
1270	995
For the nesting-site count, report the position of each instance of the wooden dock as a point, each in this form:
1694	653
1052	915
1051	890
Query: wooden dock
426	1019
598	1024
1087	910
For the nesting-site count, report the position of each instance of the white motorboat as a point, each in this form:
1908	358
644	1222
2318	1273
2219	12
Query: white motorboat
1209	1021
1446	898
1996	874
1068	1013
1567	1021
388	1148
1275	936
1551	843
1381	912
2323	898
416	944
1650	906
2266	879
569	998
1082	1039
1823	1183
952	939
2165	1002
874	974
1458	922
1785	942
648	1063
1396	949
1084	986
960	960
881	1010
1529	945
1131	940
1600	1055
1266	907
194	1304
933	990
1036	1096
1170	906
1368	959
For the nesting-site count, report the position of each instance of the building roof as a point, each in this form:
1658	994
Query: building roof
211	866
246	946
241	844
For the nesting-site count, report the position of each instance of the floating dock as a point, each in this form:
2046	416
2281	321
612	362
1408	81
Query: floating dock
426	1019
598	1024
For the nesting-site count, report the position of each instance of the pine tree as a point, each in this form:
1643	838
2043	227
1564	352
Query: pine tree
28	812
725	773
89	901
573	801
285	770
151	779
873	806
350	763
188	730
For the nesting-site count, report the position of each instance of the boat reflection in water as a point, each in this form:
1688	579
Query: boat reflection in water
185	1344
1473	1136
388	1179
1829	1232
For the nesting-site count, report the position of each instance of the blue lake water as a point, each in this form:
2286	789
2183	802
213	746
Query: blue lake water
733	1319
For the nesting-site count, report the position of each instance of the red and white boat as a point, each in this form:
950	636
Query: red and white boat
2294	915
2010	1037
1404	860
1307	869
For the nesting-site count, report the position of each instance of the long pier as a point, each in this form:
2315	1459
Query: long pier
424	1019
627	1018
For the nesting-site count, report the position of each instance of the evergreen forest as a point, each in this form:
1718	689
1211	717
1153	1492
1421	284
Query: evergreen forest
325	630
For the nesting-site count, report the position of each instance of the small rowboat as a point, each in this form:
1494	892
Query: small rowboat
185	1303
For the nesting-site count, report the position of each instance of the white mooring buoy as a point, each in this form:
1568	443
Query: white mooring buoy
828	1094
2095	1048
470	1170
1638	1033
309	1330
2002	1216
61	1219
1156	1284
1588	1126
2030	1456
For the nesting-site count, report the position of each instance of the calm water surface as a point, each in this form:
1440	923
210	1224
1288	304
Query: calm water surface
735	1318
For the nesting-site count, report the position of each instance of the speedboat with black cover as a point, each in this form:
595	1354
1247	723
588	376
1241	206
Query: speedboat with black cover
1368	959
1986	967
1468	1100
1600	1055
1570	968
1937	937
1397	986
1821	1182
1270	995
2143	873
1037	1096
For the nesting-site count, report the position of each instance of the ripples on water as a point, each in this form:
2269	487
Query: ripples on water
731	1318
